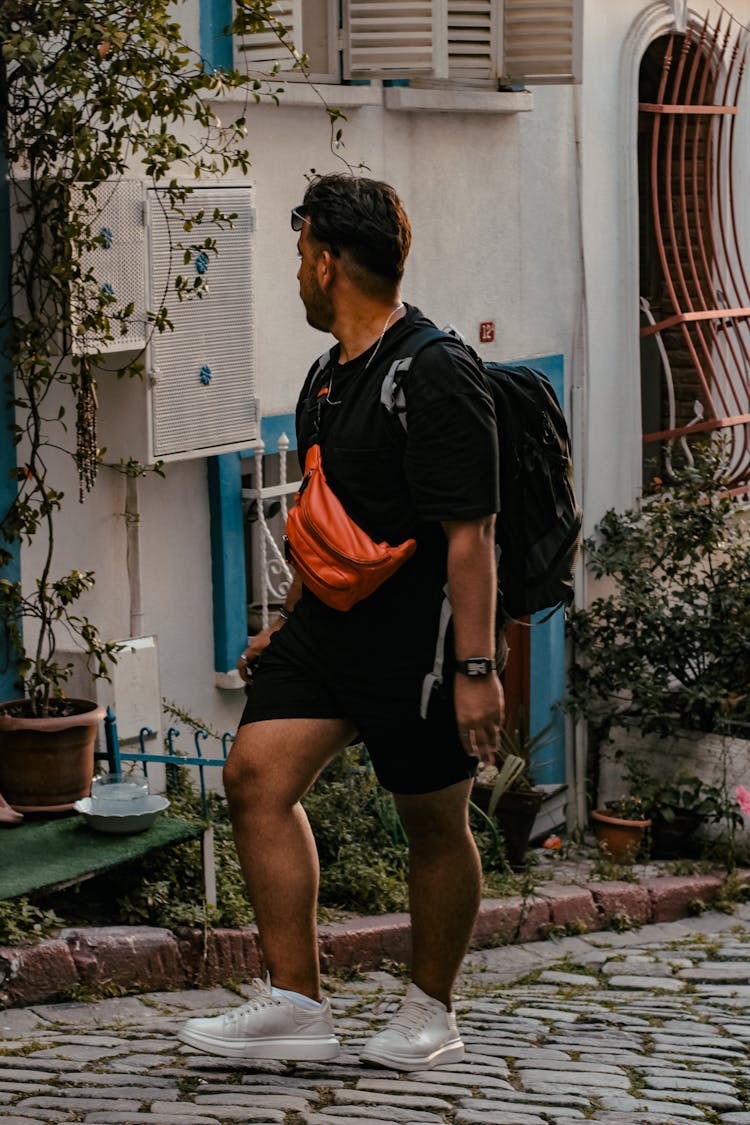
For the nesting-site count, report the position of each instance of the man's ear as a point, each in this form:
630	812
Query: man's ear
325	265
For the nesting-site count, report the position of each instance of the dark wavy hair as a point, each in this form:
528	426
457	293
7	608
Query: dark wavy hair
364	218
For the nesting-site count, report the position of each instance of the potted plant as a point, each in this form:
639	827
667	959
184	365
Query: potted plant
661	659
679	805
506	791
83	94
620	826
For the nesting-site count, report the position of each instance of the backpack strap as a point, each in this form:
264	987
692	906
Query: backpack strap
393	398
392	395
434	678
320	365
312	398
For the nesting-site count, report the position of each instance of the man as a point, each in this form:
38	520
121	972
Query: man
325	676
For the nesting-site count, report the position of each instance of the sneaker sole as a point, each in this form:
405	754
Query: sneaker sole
299	1049
450	1053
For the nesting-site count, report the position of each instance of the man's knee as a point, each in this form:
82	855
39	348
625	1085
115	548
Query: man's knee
436	820
238	774
273	764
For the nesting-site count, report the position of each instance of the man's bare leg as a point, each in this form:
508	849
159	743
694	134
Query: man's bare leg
445	885
270	768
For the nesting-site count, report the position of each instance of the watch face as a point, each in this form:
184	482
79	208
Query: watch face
475	666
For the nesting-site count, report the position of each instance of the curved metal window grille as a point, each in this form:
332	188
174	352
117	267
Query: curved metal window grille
699	315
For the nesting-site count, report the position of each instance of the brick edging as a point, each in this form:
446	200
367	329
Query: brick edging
147	959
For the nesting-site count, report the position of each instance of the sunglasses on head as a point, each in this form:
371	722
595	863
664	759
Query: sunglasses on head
299	218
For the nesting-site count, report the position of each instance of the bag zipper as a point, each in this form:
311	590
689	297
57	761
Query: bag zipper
329	547
305	569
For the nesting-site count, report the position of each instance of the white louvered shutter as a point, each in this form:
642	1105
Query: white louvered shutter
203	373
263	52
473	31
542	41
118	263
389	39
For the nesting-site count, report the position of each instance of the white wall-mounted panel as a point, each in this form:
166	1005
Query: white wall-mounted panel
118	263
202	373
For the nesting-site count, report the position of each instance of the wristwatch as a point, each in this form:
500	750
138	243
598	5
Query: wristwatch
476	666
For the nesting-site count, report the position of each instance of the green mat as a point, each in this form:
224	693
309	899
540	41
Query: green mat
40	855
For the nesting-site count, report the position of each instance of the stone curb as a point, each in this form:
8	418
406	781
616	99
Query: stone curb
148	959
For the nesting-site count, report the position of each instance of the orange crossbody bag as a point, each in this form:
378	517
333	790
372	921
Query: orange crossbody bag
335	558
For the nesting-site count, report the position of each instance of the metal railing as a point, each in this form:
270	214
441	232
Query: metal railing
272	576
115	756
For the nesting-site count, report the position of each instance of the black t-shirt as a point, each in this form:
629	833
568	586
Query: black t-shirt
398	485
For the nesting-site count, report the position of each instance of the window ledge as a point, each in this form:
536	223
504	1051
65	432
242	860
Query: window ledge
405	98
228	681
302	94
410	99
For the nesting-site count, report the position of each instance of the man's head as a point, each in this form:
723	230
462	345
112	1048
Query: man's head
362	223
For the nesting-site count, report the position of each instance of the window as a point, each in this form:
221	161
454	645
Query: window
695	294
465	42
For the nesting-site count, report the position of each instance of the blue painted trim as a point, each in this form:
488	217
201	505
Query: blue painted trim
227	559
272	428
8	666
547	677
216	45
547	660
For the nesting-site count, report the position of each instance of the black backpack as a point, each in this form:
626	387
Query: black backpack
538	527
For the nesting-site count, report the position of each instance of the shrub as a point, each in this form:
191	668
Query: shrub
668	649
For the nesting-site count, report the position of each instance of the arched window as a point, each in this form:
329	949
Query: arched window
695	295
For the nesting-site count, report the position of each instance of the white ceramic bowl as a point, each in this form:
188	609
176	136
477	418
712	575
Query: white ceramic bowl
123	823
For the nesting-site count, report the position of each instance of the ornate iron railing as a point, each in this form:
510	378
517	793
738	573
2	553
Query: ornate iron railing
703	310
271	574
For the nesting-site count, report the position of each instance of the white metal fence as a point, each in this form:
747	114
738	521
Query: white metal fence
270	576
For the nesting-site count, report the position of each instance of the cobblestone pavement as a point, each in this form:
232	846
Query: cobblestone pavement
650	1026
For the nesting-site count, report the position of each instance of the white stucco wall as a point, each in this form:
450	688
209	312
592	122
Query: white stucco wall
462	178
612	395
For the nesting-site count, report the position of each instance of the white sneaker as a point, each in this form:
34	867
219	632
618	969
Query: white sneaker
266	1027
421	1035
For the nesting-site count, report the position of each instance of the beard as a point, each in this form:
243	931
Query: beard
318	306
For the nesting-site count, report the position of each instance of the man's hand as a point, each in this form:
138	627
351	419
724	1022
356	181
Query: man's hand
252	654
480	713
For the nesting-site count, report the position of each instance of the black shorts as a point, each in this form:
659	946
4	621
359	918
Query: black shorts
410	754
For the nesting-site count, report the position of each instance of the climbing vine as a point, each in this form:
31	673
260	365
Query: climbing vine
91	91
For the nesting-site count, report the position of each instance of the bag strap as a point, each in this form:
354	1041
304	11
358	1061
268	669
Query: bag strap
393	398
434	678
313	397
320	365
392	393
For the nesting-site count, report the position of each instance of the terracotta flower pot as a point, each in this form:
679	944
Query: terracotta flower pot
47	764
621	838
